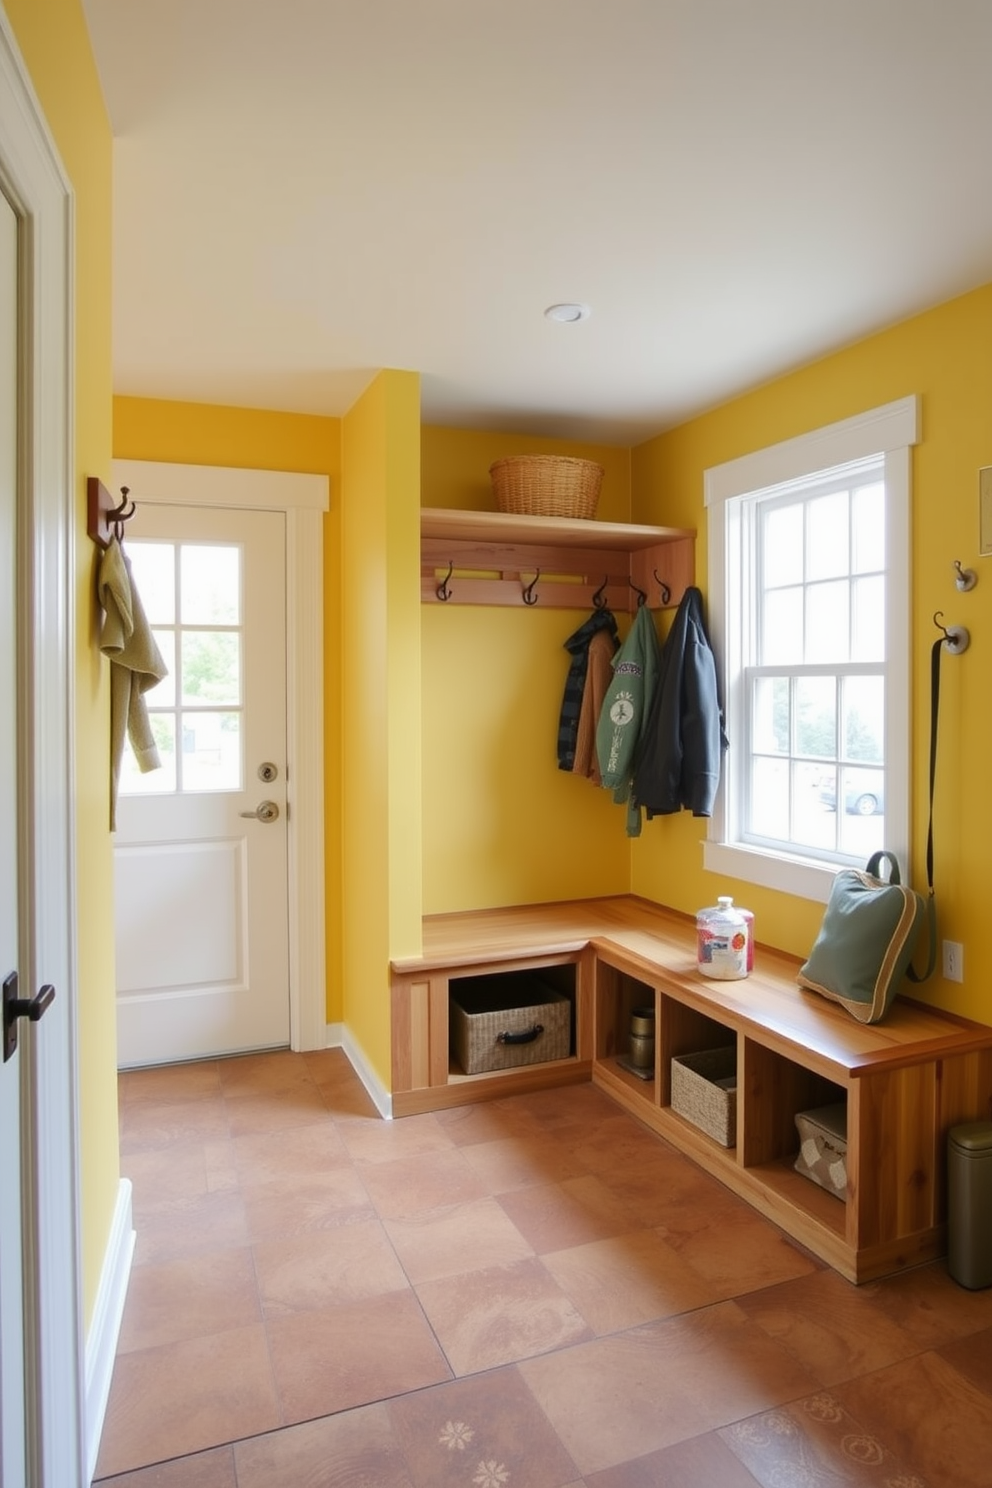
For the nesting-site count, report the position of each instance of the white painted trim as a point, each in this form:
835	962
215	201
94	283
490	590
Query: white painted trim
339	1036
891	426
105	1326
39	189
304	499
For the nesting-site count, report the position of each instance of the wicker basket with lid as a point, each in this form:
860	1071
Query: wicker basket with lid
546	485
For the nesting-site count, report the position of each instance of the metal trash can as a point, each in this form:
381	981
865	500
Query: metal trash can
969	1204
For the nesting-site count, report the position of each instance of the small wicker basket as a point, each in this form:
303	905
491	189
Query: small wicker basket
546	485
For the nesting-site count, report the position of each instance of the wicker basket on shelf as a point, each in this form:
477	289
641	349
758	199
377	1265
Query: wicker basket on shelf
546	485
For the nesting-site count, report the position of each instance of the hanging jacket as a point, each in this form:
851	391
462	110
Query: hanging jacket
620	730
578	645
679	765
599	674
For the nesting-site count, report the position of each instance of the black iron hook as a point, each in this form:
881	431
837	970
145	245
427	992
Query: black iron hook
641	596
956	637
118	515
666	593
599	598
442	591
530	597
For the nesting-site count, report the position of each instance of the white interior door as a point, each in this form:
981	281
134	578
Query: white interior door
12	1414
201	880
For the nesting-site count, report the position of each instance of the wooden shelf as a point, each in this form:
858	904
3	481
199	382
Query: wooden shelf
491	558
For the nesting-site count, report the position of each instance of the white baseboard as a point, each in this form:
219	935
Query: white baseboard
339	1036
105	1327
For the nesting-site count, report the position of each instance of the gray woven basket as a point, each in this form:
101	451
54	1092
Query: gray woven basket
483	1010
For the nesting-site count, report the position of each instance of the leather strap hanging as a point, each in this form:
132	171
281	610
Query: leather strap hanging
921	976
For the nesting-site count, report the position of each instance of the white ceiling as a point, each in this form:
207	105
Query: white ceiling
309	190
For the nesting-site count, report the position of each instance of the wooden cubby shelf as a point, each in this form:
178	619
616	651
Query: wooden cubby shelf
905	1081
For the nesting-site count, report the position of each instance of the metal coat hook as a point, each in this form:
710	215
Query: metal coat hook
641	596
599	598
966	578
442	591
529	595
118	515
956	638
666	593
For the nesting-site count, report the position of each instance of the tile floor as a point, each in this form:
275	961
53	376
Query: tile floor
533	1293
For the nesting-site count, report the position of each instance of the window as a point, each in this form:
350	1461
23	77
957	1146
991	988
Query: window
808	613
192	596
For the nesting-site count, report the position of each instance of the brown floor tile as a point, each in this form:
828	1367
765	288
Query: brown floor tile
817	1444
150	1124
183	1397
930	1306
263	1074
554	1216
166	1178
490	1121
414	1185
699	1462
394	1141
214	1221
448	1242
605	1142
309	1272
204	1470
296	1205
930	1416
170	1082
487	1429
627	1280
264	1156
486	1318
663	1188
275	1110
833	1328
189	1299
972	1357
348	1104
561	1110
353	1354
519	1161
734	1249
633	1393
354	1448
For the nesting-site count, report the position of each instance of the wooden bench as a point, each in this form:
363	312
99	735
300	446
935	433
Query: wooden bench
905	1081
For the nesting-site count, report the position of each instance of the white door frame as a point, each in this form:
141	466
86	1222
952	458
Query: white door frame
42	196
303	499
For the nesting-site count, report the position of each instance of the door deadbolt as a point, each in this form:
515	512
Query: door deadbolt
265	811
268	772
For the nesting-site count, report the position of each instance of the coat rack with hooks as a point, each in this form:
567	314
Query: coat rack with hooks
496	558
105	515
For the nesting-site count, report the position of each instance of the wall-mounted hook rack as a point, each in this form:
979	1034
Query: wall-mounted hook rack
965	578
105	517
443	590
530	595
956	637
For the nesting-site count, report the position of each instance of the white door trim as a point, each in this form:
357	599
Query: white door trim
37	186
304	499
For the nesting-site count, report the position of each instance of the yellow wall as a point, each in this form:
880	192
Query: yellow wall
380	681
253	439
943	356
502	824
54	42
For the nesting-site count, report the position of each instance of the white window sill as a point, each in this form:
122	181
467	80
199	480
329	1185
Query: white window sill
803	877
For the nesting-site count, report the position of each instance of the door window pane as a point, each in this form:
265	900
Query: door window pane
211	751
153	568
211	666
210	585
132	781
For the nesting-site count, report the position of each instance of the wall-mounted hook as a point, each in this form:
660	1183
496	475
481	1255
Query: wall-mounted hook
666	593
599	598
956	637
641	596
966	578
118	515
442	591
529	594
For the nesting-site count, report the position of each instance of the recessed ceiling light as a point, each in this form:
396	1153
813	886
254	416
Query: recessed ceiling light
567	313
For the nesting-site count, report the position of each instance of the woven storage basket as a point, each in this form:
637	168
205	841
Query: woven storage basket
546	485
482	1008
696	1095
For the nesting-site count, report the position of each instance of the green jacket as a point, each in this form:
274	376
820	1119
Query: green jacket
620	730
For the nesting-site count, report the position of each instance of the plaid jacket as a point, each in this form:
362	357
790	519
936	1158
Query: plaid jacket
571	705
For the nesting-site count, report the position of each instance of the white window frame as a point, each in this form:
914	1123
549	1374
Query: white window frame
889	431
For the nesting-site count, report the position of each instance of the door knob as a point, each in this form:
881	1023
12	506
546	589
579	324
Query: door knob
265	811
15	1007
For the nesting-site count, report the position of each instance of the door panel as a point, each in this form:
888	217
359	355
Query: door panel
12	1444
201	897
